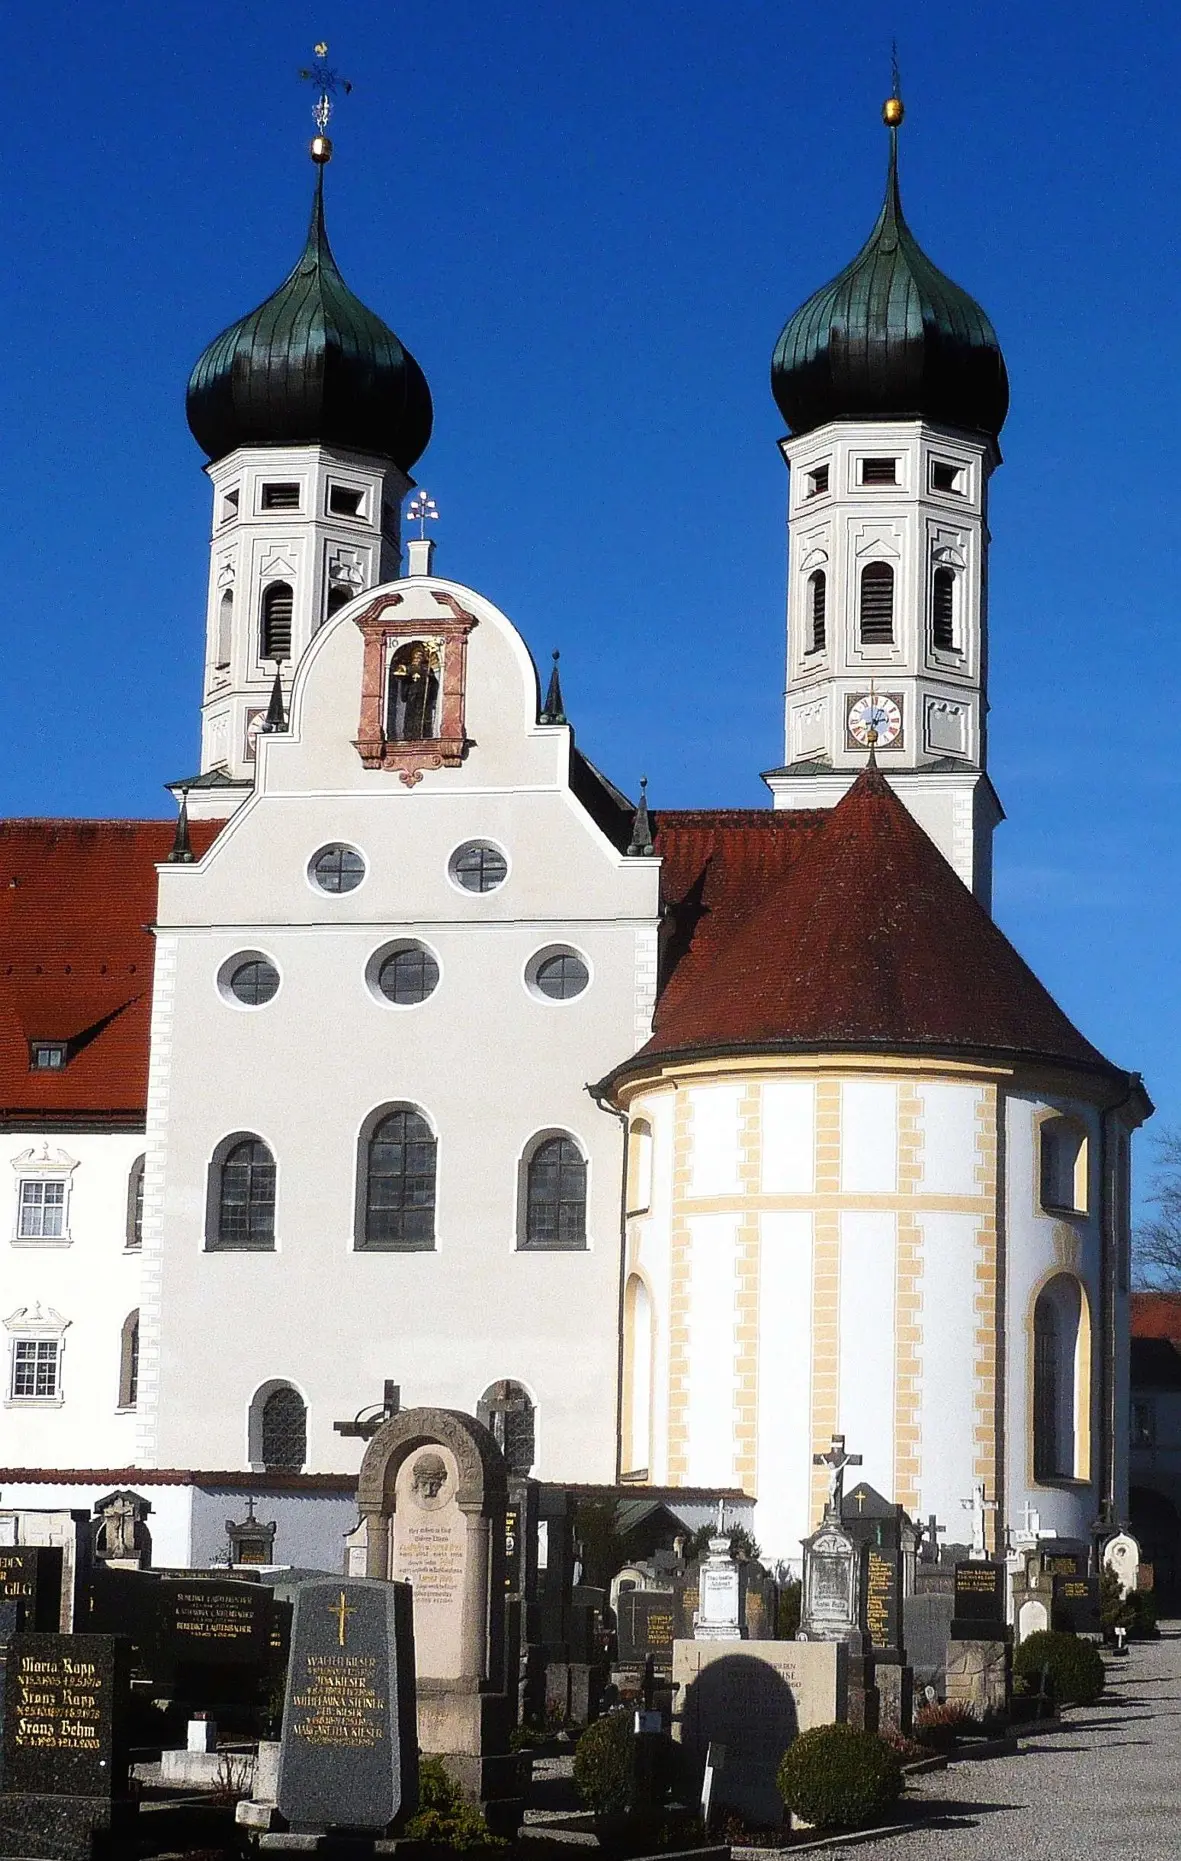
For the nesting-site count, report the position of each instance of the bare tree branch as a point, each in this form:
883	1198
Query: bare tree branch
1157	1244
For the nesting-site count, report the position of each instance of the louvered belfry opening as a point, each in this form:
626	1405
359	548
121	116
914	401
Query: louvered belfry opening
278	602
877	604
817	610
943	610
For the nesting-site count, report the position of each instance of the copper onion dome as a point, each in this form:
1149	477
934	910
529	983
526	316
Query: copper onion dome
312	365
891	338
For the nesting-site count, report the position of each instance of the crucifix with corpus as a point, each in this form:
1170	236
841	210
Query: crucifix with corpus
836	1460
979	1507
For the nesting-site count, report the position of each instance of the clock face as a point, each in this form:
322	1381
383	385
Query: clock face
874	719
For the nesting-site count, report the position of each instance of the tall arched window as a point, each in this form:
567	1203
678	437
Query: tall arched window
877	604
506	1410
225	628
817	610
1060	1380
135	1204
555	1195
278	604
241	1204
129	1362
399	1160
283	1429
637	1374
943	610
639	1170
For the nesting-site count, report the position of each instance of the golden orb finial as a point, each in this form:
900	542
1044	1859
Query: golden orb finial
893	112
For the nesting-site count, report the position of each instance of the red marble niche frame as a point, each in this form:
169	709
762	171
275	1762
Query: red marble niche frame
383	632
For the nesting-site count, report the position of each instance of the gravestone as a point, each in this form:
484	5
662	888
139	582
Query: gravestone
349	1757
31	1574
831	1605
1064	1561
65	1744
1032	1617
645	1625
926	1627
979	1675
979	1597
754	1697
720	1591
11	1619
881	1610
1075	1605
119	1531
1122	1554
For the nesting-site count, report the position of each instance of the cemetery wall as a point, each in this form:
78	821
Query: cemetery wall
310	1527
170	1522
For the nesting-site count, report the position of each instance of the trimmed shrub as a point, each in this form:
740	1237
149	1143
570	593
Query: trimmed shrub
1144	1613
839	1778
606	1776
444	1816
1074	1668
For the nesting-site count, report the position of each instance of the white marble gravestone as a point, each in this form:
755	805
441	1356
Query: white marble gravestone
1122	1554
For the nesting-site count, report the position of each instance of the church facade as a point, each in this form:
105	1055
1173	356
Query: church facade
672	1143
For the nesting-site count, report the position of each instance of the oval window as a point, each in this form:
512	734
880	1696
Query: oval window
409	975
560	975
337	869
479	867
254	981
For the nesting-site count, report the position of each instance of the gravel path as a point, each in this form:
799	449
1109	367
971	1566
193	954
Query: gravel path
1105	1788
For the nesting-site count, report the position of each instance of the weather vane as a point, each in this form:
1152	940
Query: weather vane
328	83
423	509
892	110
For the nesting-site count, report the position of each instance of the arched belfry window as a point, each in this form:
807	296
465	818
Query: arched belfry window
281	1425
225	629
877	604
943	609
1060	1380
241	1203
278	604
817	610
506	1410
413	696
555	1195
399	1161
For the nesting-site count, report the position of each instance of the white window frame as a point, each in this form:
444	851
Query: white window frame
30	1326
44	1167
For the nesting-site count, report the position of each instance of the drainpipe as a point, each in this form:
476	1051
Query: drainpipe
1109	1289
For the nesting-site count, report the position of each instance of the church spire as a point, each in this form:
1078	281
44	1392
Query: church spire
553	711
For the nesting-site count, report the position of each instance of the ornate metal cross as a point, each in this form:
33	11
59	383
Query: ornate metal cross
422	509
342	1611
327	83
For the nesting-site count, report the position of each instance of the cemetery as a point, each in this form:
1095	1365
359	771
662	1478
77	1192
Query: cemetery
497	1663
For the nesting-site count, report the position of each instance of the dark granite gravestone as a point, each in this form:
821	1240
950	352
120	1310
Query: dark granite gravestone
65	1744
870	1518
1075	1605
1064	1561
31	1574
349	1758
11	1621
926	1628
979	1602
645	1625
881	1597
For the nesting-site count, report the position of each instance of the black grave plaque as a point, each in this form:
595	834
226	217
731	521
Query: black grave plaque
349	1757
979	1602
1063	1563
32	1574
881	1591
1075	1605
65	1718
11	1620
646	1625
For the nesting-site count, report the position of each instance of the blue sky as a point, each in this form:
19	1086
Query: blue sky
589	224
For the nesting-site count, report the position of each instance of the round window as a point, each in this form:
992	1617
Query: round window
337	869
561	976
253	982
408	976
479	867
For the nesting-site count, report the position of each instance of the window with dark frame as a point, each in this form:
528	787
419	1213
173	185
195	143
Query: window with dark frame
246	1198
135	1204
48	1056
479	867
255	982
946	477
1046	1394
42	1209
129	1362
337	869
817	481
555	1195
401	1159
344	501
408	976
879	471
36	1363
943	610
283	1431
562	976
877	604
280	497
817	610
278	607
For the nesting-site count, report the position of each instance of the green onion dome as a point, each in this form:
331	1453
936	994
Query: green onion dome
311	366
891	338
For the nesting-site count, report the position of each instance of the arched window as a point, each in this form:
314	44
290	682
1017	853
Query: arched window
877	604
817	610
1061	1381
1063	1166
555	1195
639	1158
283	1429
225	628
278	603
943	610
413	694
241	1203
129	1362
339	595
135	1204
637	1377
399	1157
506	1410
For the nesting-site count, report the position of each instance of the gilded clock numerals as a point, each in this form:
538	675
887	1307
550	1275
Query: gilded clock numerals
874	720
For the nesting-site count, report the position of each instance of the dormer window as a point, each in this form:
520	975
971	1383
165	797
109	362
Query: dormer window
280	497
817	481
879	471
945	477
47	1056
344	501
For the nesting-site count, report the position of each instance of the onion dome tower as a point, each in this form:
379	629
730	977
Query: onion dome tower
312	413
894	390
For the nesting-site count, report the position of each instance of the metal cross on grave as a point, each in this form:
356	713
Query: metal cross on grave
836	1460
978	1506
930	1544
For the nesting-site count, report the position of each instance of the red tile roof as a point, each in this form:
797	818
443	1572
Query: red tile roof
843	928
1156	1315
76	900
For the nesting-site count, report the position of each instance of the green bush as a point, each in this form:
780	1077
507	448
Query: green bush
606	1774
787	1614
444	1815
839	1778
1142	1603
1114	1610
1075	1668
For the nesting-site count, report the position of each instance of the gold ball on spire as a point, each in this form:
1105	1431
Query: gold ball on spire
893	112
321	150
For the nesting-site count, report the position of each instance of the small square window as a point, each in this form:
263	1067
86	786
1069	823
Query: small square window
879	471
35	1369
41	1214
229	505
343	501
945	477
280	497
817	481
47	1056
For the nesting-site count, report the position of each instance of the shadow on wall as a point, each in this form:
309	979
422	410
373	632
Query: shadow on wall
745	1705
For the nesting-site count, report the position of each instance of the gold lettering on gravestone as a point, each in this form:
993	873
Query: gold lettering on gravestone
878	1584
980	1579
14	1578
660	1629
57	1704
340	1704
215	1617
